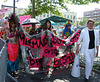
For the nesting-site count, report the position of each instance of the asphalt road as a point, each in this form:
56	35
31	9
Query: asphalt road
59	75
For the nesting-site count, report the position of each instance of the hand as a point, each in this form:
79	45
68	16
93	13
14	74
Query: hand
77	51
96	54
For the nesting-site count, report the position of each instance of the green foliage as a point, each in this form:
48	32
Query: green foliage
97	23
96	67
83	21
5	0
46	6
81	2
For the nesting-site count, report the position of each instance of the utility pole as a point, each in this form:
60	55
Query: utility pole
13	6
33	8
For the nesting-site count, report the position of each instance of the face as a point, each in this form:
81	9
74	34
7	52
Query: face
68	27
33	26
90	25
12	24
48	25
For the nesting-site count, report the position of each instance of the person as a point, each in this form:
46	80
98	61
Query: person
90	46
40	29
47	60
33	30
12	37
67	30
3	29
54	31
27	29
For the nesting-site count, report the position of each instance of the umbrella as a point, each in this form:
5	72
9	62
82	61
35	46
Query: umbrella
30	21
52	22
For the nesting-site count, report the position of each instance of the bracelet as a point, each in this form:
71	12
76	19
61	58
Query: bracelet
97	51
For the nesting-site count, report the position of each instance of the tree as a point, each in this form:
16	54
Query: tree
83	21
44	6
97	23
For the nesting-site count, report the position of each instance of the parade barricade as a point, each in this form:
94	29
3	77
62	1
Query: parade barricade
3	60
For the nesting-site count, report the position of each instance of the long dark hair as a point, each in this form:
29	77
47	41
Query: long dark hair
12	18
45	24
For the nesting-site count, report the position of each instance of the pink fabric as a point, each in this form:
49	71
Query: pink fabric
13	35
2	11
13	51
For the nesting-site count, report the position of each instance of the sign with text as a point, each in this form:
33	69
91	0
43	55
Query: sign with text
32	43
22	18
50	51
42	41
34	62
74	38
64	60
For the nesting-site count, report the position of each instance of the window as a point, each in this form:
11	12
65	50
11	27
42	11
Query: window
67	16
71	16
47	15
87	13
74	17
44	15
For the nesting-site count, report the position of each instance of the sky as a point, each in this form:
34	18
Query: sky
79	9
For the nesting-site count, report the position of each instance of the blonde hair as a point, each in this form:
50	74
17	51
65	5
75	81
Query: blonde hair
90	20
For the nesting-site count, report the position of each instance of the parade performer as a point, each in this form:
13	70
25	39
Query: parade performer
12	36
89	48
3	29
27	29
67	30
33	30
46	60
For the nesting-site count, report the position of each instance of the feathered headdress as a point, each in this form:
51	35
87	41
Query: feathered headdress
12	18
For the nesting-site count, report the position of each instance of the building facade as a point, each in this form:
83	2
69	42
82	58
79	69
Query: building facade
19	11
94	14
68	15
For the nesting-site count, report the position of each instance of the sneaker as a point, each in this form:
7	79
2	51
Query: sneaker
15	75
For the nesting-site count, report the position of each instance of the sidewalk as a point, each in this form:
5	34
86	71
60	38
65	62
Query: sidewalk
60	75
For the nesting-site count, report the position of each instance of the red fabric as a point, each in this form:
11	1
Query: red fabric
1	33
13	51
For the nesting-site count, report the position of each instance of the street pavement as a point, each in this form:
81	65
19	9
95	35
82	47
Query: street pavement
58	75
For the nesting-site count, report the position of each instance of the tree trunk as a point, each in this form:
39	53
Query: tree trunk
33	8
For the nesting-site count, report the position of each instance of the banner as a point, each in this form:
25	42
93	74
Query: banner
22	18
2	11
46	46
32	43
74	38
42	41
34	62
64	60
50	51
